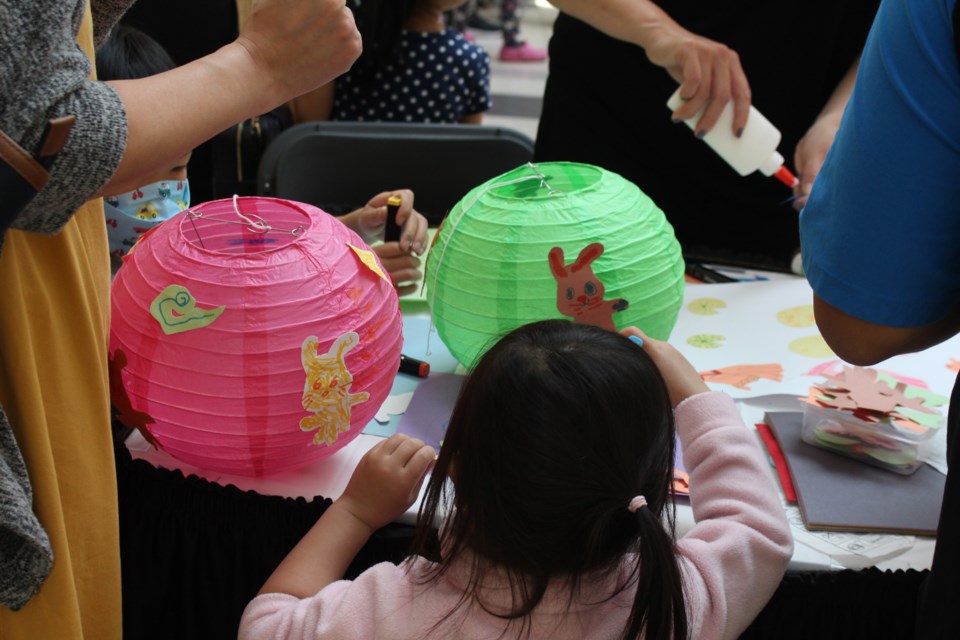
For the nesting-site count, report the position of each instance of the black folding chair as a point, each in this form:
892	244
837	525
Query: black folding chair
338	166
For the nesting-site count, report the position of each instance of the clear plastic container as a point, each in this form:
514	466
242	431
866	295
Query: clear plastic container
883	444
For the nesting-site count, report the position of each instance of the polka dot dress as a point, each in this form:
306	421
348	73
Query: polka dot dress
437	77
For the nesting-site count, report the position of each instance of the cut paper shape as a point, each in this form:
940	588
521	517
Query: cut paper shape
742	375
394	405
953	365
326	392
860	387
779	461
706	341
126	414
706	306
811	347
915	386
175	309
370	261
580	291
800	317
681	482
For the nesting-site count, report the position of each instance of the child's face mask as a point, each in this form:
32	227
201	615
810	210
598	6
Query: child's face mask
130	215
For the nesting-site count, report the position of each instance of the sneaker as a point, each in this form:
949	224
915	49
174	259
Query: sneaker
522	52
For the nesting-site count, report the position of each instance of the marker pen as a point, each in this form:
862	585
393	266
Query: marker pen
706	274
414	367
391	232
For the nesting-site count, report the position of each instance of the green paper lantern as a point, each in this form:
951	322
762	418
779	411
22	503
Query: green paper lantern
489	270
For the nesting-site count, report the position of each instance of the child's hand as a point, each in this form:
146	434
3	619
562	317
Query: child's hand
682	379
387	480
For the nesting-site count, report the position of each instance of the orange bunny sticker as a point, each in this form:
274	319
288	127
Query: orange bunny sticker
580	291
326	392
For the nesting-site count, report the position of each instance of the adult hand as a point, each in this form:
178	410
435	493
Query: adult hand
300	44
709	73
682	379
387	480
810	153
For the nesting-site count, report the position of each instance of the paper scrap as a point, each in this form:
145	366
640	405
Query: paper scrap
394	405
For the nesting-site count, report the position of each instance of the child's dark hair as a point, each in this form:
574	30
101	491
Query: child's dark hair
558	427
380	23
129	54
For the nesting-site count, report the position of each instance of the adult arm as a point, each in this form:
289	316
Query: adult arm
879	230
126	130
812	149
314	105
864	343
709	72
286	48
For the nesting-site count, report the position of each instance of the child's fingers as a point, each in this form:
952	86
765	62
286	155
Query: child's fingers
407	449
421	460
417	468
636	332
394	442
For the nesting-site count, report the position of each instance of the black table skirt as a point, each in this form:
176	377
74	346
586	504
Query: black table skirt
194	553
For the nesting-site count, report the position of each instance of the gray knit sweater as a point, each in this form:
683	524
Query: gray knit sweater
43	75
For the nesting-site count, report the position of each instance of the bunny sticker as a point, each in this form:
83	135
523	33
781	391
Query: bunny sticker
326	392
580	292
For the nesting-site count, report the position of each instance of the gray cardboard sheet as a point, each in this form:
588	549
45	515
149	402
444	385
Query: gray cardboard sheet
841	494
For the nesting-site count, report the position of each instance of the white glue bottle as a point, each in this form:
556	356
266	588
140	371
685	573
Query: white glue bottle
754	150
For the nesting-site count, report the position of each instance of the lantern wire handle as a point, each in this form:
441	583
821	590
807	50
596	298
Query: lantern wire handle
453	229
253	222
543	180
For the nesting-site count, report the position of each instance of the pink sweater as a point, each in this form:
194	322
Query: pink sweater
732	560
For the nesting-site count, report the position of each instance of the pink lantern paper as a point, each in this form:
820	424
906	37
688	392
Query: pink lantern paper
254	343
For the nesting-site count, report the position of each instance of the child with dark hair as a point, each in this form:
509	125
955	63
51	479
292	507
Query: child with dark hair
412	69
552	491
129	54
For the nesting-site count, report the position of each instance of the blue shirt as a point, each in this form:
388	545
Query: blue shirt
880	234
438	77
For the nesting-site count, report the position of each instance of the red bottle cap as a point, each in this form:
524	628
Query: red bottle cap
785	176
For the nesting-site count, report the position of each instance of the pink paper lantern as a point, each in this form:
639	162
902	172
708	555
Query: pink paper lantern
255	343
